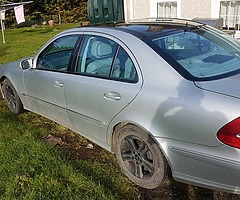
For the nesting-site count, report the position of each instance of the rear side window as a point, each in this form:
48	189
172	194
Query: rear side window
123	67
104	58
96	56
202	52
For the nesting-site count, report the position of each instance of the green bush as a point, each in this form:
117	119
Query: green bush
42	10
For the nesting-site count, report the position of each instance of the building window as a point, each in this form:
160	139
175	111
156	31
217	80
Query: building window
230	11
167	10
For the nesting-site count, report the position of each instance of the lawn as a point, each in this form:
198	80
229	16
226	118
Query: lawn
24	42
42	160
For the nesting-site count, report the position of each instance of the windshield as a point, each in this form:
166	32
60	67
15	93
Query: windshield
202	51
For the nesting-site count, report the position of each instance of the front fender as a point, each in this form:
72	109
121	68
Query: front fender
14	74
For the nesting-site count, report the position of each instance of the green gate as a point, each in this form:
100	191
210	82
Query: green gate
105	11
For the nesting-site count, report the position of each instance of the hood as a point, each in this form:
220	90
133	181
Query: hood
228	86
11	64
9	67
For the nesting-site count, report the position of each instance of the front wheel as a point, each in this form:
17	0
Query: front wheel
11	97
140	157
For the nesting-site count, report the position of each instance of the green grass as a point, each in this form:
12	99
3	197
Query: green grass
25	42
33	169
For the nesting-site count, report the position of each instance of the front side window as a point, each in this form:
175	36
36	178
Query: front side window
57	55
102	57
202	52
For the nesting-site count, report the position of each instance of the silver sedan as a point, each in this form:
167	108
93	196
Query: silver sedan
162	95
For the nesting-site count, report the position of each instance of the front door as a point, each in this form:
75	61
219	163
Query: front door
45	92
45	84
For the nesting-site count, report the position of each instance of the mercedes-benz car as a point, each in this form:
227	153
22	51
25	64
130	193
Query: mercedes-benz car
163	95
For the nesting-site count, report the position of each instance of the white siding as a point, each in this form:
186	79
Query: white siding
195	8
136	9
189	9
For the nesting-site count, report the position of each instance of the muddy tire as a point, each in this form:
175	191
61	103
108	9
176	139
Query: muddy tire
11	97
140	157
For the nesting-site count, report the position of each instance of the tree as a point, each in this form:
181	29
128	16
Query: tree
59	10
69	11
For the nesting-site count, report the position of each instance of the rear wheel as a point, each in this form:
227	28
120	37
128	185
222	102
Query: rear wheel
140	157
11	97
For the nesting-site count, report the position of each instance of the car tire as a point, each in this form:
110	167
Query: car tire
11	97
140	158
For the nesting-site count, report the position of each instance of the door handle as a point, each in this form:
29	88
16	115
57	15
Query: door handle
58	84
112	96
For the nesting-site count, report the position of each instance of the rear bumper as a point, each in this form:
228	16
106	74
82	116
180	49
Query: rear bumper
211	167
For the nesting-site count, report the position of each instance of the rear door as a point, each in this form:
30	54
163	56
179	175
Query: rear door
106	80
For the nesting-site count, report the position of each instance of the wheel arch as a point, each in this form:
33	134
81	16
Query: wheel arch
1	84
14	83
118	126
160	170
18	103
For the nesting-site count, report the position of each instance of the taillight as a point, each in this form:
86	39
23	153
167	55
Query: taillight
230	133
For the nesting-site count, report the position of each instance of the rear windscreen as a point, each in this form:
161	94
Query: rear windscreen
203	52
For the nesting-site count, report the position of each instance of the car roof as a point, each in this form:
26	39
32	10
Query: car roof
145	27
166	21
151	27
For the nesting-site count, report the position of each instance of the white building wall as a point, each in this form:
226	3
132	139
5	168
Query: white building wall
189	9
195	8
136	9
215	8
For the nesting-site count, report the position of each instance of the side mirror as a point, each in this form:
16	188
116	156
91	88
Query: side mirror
27	63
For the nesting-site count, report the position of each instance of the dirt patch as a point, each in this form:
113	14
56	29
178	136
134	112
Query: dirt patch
77	149
173	190
74	148
84	153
